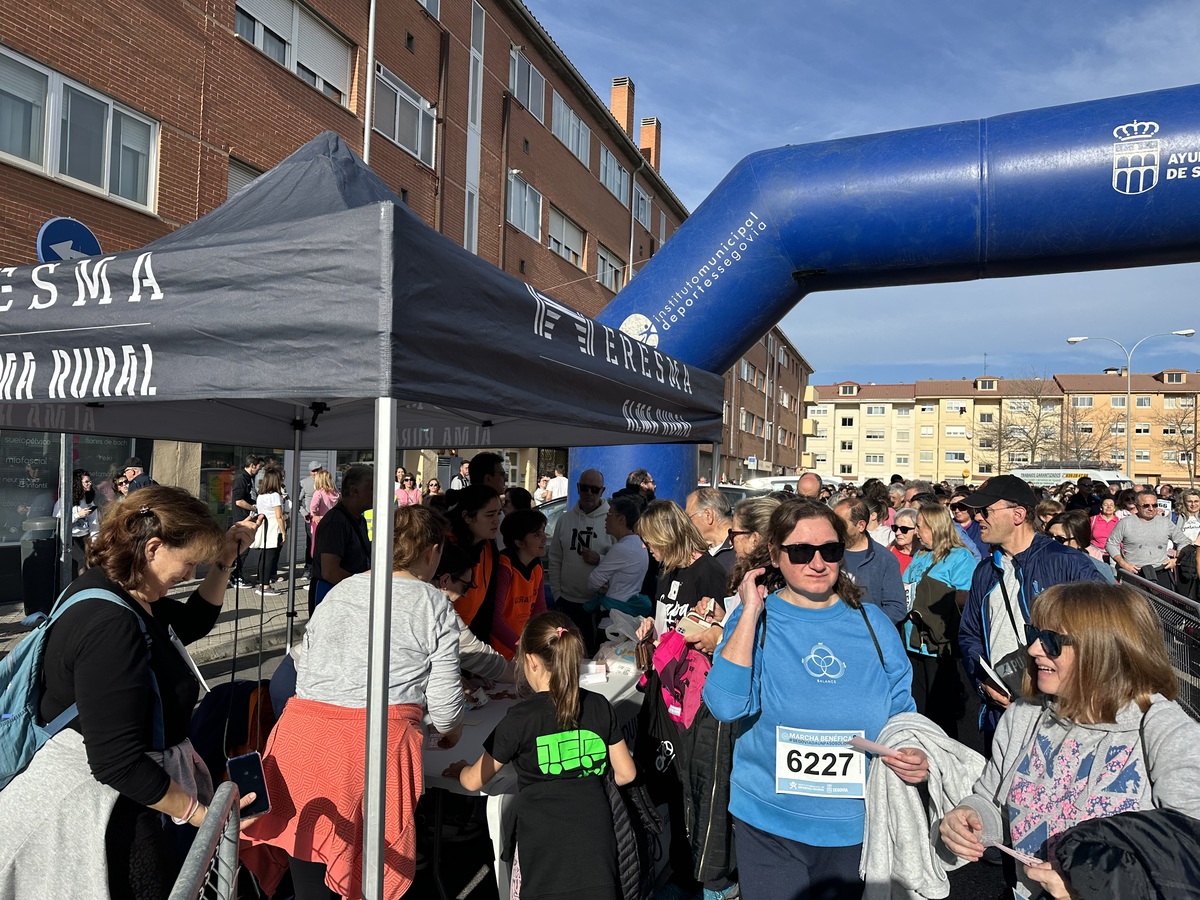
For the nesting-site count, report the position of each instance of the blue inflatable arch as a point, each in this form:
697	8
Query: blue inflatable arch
1105	184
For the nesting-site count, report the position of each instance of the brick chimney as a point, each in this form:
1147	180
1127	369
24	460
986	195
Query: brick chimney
622	102
651	141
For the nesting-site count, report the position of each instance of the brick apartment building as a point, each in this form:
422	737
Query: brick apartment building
137	118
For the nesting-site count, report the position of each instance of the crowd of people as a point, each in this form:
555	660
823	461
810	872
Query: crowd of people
782	638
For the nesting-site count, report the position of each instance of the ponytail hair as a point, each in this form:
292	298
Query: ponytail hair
558	645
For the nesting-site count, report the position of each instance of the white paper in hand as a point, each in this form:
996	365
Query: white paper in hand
993	679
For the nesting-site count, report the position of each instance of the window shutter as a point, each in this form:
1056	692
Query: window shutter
323	52
274	14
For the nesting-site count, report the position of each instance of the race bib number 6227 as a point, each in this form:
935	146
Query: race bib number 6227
818	763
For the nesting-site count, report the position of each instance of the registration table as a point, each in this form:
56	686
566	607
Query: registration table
621	691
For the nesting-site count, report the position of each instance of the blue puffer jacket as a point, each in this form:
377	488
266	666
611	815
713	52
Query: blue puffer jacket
1043	563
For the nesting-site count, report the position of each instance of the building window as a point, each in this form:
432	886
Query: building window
609	269
987	444
1117	402
956	456
641	206
748	376
848	390
817	410
847	445
1170	431
986	418
926	456
102	146
471	222
1081	402
821	434
1142	402
904	436
926	431
846	469
956	406
571	130
1116	455
820	459
903	411
876	410
1018	459
432	6
527	84
525	207
614	176
873	459
566	238
1141	428
1141	456
1174	378
403	116
928	407
874	434
1178	402
986	384
847	421
1019	406
298	41
1168	456
984	469
1116	428
956	431
239	176
1084	428
902	460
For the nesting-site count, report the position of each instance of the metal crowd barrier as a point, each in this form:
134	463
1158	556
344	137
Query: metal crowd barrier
210	869
1180	619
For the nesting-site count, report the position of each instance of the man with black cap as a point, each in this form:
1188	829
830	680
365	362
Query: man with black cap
1022	564
136	475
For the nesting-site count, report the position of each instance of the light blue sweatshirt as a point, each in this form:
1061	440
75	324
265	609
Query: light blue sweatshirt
817	670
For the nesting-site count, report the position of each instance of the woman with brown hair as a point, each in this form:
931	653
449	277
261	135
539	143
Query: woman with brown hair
314	760
1096	733
561	741
688	572
102	783
805	666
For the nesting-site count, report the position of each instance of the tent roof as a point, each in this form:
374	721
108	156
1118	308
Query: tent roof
315	284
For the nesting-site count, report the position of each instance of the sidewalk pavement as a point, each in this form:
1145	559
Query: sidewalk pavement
253	620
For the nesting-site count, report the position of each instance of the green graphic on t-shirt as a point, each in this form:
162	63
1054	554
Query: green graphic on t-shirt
570	750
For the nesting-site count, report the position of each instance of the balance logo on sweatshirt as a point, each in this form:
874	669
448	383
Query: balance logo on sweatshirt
822	665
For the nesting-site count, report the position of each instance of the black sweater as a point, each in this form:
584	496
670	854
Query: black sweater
96	657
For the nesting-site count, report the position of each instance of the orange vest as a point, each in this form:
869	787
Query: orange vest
516	604
470	602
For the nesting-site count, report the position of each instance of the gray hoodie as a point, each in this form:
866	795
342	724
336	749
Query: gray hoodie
1048	773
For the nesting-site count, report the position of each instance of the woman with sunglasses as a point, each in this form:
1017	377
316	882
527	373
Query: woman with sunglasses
433	488
805	666
1073	529
937	583
1096	733
904	537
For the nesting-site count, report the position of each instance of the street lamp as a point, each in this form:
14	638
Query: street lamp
1184	332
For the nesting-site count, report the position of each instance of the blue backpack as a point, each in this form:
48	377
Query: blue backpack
21	685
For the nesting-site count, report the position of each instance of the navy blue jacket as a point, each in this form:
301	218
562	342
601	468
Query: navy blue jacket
877	571
1042	564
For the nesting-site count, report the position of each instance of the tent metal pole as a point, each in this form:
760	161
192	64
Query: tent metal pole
66	486
716	464
295	520
379	651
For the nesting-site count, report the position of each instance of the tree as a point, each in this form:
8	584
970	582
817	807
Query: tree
1028	426
1091	433
1176	432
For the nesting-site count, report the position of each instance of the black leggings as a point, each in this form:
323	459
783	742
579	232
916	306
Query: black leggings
141	865
308	880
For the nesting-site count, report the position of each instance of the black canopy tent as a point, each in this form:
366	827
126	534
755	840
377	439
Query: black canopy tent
315	292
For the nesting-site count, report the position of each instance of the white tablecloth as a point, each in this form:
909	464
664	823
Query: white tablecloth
622	693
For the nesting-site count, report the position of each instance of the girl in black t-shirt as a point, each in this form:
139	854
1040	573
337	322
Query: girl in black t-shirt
561	741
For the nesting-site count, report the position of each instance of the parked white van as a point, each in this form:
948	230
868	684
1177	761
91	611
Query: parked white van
1056	474
780	482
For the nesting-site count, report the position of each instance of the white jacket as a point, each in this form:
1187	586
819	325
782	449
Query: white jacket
567	572
899	860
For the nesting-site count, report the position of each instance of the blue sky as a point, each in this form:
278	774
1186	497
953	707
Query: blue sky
792	72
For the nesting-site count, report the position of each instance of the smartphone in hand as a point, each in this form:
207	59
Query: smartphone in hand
246	772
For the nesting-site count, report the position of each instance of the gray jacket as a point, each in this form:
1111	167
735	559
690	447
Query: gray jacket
1141	543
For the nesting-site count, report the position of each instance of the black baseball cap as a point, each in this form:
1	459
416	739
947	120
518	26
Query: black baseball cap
1006	488
133	463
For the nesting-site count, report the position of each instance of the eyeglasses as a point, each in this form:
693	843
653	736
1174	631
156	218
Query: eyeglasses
1052	641
1147	506
122	483
802	554
731	534
1060	538
589	489
959	507
467	583
903	529
986	511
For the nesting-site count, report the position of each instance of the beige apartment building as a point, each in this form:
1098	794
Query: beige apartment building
965	431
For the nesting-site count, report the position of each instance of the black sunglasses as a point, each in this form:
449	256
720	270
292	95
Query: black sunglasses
731	534
985	511
959	507
1060	538
903	529
802	554
589	489
1052	641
